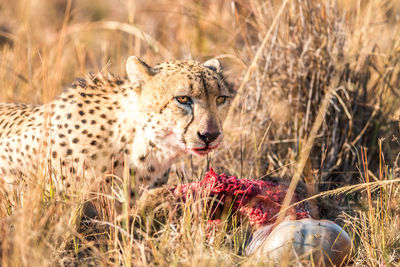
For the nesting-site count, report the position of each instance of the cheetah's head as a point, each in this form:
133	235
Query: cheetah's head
184	102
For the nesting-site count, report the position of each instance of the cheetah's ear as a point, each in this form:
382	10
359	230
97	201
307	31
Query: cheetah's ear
214	65
137	70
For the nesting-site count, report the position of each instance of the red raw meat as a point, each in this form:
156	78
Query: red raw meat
258	200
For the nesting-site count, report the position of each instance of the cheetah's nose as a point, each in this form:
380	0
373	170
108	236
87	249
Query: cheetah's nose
207	137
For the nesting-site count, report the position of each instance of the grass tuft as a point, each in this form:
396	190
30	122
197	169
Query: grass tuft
317	103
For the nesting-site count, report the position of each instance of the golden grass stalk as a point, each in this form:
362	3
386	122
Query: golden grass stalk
157	47
253	65
304	155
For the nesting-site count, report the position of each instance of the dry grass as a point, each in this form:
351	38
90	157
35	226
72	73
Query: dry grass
285	58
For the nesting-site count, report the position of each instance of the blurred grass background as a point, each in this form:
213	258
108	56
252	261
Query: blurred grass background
282	72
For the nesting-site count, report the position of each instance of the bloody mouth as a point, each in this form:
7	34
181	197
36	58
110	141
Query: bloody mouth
202	151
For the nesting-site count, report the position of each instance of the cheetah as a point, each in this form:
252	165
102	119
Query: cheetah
147	120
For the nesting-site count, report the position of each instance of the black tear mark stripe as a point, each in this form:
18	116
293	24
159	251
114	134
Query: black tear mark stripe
165	105
187	127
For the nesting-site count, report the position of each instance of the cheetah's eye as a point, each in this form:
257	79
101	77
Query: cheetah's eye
221	100
184	100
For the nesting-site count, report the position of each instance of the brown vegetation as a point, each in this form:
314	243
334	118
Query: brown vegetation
318	100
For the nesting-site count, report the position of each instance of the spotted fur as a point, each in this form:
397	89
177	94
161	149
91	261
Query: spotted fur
103	121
